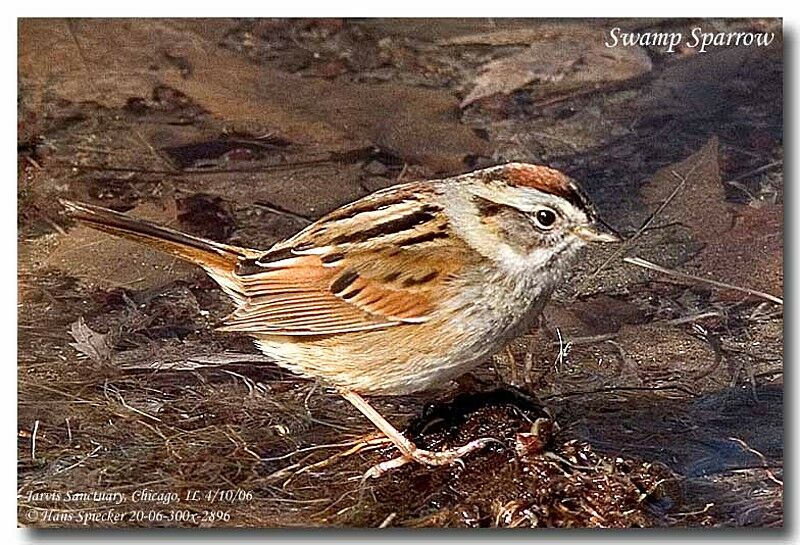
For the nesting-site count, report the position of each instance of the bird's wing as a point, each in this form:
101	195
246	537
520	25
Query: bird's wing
379	262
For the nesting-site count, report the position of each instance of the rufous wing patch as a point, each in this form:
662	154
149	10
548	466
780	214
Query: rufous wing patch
360	268
304	297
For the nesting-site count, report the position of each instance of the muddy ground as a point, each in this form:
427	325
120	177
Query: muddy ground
644	398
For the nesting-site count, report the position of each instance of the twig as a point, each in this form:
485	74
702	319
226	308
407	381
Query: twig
618	389
60	230
388	520
639	262
563	351
207	172
760	456
247	382
402	173
528	367
702	511
312	448
70	23
33	162
33	440
626	244
755	171
133	409
692	318
79	462
158	156
591	339
513	363
282	212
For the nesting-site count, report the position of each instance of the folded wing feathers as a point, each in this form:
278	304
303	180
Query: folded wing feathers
293	295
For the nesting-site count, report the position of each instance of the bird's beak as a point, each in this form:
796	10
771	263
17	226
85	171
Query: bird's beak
598	232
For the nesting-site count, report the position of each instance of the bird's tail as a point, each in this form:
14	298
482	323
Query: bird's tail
216	258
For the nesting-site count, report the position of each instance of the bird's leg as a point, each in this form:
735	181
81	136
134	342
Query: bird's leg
409	451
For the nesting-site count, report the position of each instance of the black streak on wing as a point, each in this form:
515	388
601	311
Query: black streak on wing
427	237
332	258
353	210
276	255
425	214
420	280
341	283
352	293
247	267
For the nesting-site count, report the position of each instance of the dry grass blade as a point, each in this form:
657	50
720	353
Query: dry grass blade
639	262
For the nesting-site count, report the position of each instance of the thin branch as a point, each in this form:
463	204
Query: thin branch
760	456
639	262
758	170
283	212
627	243
33	440
155	153
79	462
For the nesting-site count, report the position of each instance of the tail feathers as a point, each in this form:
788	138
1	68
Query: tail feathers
215	257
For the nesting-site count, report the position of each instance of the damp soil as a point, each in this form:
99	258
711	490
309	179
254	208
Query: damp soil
641	398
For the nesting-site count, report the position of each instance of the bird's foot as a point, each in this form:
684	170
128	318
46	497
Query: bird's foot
430	458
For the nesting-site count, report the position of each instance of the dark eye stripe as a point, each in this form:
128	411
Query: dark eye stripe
488	209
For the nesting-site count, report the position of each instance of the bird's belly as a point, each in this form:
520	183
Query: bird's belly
409	358
402	360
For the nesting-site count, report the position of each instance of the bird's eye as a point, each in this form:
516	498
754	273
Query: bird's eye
545	218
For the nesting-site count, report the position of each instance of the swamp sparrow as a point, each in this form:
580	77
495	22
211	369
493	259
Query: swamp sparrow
401	290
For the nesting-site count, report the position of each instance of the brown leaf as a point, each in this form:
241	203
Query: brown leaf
699	202
110	61
598	315
90	343
750	254
559	65
744	249
645	350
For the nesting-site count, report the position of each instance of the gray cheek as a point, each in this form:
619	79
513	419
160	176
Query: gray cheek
521	235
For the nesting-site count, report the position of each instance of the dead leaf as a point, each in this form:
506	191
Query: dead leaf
743	245
597	315
558	66
699	203
90	343
750	254
111	61
645	349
